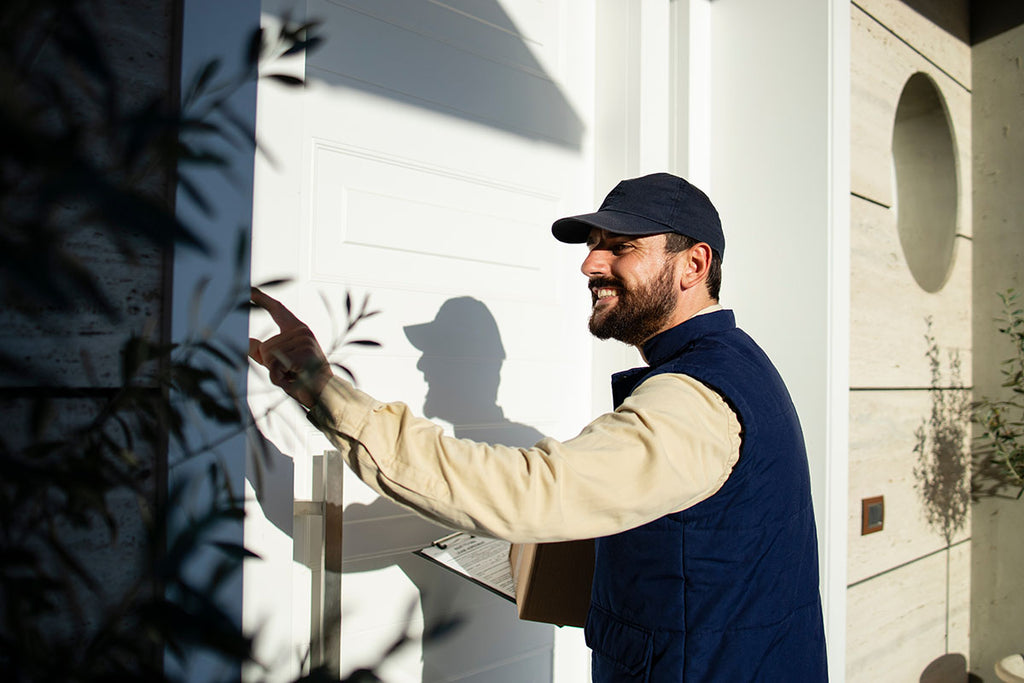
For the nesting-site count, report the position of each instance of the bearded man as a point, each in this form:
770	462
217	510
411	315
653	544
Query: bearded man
695	488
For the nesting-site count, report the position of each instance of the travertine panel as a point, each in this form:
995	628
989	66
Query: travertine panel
881	64
999	218
888	309
998	554
882	462
113	557
896	623
960	600
939	45
81	347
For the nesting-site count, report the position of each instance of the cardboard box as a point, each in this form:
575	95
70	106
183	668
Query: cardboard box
553	581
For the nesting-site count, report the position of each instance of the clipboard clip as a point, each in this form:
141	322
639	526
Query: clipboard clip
440	543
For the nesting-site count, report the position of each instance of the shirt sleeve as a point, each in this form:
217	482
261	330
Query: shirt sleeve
670	445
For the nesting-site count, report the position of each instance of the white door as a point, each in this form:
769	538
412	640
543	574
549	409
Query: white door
423	164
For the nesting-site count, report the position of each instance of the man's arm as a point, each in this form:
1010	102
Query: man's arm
670	445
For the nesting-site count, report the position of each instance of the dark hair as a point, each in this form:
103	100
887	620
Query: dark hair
675	243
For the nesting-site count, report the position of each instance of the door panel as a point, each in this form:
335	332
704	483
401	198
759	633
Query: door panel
423	163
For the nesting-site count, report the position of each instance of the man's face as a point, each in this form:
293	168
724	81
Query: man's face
633	286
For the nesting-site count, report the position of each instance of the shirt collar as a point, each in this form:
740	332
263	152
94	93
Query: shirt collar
665	345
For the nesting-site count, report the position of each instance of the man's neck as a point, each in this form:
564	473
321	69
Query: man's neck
687	308
709	306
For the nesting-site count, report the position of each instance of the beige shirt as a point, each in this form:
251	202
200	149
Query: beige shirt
670	445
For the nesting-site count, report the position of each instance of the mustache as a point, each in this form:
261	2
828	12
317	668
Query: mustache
597	282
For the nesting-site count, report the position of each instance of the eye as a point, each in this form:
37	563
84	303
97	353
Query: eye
621	248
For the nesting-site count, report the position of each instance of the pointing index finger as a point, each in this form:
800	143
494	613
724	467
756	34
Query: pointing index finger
284	318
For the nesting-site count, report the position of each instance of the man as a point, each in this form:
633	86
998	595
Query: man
696	486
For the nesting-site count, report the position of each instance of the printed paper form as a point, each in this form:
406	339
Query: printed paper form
482	560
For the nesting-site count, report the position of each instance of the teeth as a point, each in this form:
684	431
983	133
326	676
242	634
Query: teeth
604	291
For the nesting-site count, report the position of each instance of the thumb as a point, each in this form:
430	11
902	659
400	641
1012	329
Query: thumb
255	350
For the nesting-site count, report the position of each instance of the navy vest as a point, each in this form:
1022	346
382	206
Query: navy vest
726	590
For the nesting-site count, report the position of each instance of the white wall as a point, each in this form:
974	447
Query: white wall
779	160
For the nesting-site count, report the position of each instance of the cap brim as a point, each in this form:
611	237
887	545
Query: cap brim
421	336
576	229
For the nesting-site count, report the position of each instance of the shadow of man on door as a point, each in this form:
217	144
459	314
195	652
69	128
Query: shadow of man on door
461	363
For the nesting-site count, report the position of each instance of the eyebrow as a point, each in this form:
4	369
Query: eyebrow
612	238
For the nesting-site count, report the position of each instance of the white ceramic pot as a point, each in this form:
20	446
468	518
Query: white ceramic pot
1011	669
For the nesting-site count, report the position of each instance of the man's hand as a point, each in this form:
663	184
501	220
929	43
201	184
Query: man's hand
295	360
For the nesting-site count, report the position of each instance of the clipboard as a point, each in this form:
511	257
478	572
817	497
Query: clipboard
484	561
548	582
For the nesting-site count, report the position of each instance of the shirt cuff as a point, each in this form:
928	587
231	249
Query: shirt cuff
342	408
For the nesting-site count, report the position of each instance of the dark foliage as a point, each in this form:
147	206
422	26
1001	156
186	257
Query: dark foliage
78	153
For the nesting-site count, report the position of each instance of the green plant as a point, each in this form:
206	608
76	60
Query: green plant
999	451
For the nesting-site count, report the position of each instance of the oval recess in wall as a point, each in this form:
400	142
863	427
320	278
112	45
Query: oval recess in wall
924	159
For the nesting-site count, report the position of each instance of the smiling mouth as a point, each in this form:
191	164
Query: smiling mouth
604	294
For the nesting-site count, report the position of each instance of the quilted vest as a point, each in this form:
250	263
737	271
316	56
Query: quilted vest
726	590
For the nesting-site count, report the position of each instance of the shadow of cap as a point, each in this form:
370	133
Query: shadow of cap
463	327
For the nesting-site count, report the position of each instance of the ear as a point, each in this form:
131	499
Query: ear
696	262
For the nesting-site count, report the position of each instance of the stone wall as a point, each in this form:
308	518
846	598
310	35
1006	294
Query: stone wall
997	592
909	586
72	357
80	350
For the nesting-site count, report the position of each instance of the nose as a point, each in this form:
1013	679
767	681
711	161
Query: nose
596	263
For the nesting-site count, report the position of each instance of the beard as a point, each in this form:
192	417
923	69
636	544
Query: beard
639	313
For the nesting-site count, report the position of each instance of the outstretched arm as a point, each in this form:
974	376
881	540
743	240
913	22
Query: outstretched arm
671	444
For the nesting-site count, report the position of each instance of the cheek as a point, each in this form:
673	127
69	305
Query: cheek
633	274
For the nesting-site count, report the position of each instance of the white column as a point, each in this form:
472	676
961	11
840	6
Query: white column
634	121
653	144
779	160
690	92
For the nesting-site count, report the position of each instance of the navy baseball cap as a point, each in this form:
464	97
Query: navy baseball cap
656	203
